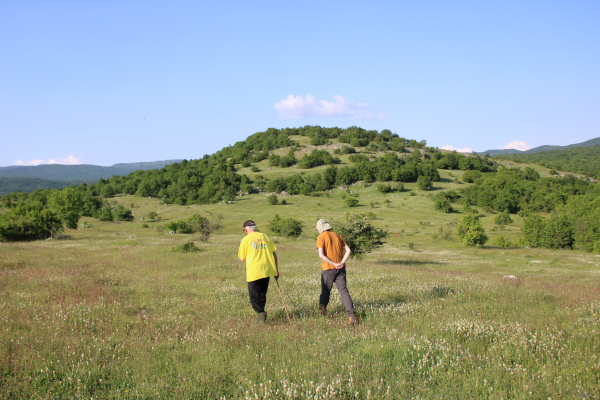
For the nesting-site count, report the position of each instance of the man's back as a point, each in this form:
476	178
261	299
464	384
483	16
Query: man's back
333	248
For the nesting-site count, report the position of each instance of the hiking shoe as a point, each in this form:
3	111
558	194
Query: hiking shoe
261	318
352	320
323	310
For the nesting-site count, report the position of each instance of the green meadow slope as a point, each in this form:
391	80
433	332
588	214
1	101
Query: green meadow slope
112	312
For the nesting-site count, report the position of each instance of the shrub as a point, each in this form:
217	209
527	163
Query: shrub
122	214
351	202
359	234
503	219
447	231
470	231
502	241
179	227
471	176
384	188
532	231
288	227
188	247
425	182
203	227
272	199
443	205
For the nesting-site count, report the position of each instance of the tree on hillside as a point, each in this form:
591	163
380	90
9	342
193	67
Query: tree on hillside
470	230
359	234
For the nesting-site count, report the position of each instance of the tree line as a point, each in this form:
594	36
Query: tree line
559	213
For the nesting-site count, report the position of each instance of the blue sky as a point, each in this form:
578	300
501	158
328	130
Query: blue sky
127	81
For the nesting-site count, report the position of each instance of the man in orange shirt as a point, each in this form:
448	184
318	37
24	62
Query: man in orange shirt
334	252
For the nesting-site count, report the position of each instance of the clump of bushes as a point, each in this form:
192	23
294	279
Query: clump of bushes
359	234
195	224
351	201
188	247
470	230
502	241
288	227
503	219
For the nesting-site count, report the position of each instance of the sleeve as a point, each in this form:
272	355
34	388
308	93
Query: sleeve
271	245
320	241
342	241
242	250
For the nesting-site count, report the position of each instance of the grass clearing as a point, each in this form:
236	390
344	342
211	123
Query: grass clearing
114	313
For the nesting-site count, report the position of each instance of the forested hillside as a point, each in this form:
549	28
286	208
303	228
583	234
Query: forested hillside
580	160
315	159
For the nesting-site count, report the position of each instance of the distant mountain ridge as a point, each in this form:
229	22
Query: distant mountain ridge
28	185
71	174
587	143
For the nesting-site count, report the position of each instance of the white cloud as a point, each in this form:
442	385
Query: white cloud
294	107
70	160
463	150
517	144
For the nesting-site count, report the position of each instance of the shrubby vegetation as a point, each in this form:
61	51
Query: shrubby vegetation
573	202
470	231
195	224
43	213
359	234
288	227
188	247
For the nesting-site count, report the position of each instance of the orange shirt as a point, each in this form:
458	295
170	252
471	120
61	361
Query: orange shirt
333	248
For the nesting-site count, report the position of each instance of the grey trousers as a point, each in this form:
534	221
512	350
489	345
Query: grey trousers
337	276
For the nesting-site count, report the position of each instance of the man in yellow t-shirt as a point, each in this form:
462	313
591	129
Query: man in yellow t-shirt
334	252
258	251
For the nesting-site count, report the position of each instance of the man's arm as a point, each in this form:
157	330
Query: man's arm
323	257
347	252
276	265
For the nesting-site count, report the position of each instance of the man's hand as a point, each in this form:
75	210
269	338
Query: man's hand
277	276
339	265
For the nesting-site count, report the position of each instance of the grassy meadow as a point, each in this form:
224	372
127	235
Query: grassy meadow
112	313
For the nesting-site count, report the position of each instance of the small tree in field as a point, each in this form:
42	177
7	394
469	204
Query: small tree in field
424	182
288	227
272	199
359	234
470	231
503	219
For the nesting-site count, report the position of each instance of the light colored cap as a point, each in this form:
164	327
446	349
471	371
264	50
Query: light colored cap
323	226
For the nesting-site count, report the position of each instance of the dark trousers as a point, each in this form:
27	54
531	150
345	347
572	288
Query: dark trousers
337	276
258	294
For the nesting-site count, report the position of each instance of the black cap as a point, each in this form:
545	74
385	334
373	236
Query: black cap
249	223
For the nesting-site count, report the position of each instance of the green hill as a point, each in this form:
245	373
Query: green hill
587	143
580	160
83	172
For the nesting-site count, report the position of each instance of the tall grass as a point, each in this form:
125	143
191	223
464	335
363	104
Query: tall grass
114	313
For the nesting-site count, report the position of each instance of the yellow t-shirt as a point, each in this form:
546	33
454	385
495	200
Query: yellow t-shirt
257	250
333	248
